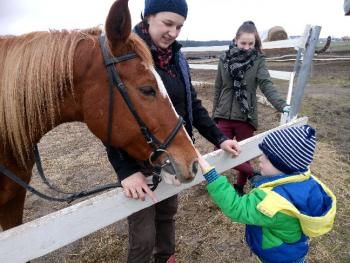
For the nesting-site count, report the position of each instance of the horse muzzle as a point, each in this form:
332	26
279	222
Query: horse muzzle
172	172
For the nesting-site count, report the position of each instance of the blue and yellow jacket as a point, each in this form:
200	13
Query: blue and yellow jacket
281	212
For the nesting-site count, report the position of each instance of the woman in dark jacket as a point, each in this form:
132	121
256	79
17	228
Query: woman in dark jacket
152	230
240	71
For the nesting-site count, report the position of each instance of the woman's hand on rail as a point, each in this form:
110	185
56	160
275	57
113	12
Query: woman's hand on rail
135	186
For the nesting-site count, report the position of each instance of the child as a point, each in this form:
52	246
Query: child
288	204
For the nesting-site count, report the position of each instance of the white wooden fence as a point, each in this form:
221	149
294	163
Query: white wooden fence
48	233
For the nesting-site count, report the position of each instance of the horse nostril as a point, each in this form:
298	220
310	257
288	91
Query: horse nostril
195	167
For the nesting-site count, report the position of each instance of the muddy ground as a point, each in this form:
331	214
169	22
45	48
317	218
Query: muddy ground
74	159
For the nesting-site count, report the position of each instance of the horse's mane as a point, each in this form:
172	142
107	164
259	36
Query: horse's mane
141	49
35	71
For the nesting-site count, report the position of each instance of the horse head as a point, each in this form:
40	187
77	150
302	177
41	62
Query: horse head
144	90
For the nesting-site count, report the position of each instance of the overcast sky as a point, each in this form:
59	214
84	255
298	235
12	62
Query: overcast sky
207	19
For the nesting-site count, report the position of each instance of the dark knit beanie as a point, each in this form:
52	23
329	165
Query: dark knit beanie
290	150
156	6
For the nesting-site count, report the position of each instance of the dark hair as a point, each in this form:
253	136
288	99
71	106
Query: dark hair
249	27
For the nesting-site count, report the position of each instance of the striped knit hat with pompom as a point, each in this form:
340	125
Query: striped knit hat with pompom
290	150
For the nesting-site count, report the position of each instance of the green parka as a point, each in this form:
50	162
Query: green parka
226	105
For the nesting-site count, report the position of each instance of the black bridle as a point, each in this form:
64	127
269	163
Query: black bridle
157	147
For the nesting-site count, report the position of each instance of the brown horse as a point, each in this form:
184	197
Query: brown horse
48	78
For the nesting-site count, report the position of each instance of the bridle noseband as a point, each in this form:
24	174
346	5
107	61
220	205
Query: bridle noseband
157	147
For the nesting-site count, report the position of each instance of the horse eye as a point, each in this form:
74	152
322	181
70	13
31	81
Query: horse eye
148	91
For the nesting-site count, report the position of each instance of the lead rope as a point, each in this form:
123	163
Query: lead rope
156	178
70	198
39	167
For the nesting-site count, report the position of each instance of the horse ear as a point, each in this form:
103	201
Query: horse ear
118	22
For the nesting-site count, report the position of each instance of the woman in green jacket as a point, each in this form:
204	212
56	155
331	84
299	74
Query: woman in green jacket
240	71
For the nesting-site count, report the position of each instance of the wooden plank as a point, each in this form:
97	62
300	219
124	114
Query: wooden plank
277	74
204	49
304	37
199	83
260	98
288	43
290	88
48	233
204	66
284	115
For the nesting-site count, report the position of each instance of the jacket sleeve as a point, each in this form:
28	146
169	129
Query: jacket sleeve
122	163
203	123
240	209
267	87
217	87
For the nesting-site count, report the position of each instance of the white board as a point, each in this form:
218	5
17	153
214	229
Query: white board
48	233
277	74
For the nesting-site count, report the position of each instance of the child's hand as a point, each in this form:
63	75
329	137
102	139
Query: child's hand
208	171
204	165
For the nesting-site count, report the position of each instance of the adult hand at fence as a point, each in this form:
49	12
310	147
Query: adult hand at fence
135	186
231	146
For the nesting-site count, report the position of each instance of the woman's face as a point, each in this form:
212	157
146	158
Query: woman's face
246	41
164	27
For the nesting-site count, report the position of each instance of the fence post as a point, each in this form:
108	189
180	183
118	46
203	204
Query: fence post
304	72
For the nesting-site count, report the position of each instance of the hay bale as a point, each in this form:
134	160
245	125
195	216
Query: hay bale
276	33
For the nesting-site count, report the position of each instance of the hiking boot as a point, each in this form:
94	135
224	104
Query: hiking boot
239	189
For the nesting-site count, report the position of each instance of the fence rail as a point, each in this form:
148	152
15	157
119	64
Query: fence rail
48	233
288	43
277	74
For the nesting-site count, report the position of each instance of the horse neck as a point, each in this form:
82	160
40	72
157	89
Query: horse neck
68	111
70	108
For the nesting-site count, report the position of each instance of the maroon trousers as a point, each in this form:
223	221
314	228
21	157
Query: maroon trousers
240	130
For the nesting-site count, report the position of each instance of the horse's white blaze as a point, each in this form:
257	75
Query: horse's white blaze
160	83
164	93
